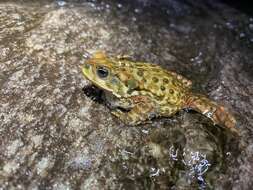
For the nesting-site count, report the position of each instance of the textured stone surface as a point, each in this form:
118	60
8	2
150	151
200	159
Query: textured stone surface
54	136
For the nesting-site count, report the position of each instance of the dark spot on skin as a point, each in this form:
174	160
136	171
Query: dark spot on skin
155	79
140	73
159	98
162	88
173	110
165	80
171	91
174	82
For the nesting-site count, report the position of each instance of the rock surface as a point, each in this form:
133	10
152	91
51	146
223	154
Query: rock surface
54	136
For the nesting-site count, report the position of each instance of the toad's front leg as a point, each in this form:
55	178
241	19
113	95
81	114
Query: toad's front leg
142	109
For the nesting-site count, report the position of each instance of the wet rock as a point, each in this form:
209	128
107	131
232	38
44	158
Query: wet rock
54	135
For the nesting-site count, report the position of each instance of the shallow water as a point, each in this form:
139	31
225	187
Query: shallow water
55	136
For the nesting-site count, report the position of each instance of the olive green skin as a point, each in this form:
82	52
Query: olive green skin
146	90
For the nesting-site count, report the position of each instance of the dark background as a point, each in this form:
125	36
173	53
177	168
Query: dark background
244	6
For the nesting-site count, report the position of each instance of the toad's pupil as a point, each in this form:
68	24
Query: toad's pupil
102	72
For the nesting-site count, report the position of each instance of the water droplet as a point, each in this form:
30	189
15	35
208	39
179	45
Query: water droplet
173	153
154	173
119	5
145	131
61	3
137	10
242	35
251	26
230	25
228	153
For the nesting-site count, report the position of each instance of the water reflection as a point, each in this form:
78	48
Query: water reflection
196	164
60	3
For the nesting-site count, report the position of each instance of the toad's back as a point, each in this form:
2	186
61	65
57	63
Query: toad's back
165	87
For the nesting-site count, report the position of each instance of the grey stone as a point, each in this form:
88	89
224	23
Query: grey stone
54	136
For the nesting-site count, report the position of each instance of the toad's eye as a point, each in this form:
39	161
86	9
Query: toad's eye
102	72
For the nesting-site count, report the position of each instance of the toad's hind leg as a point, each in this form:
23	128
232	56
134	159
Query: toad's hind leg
143	110
218	114
169	110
